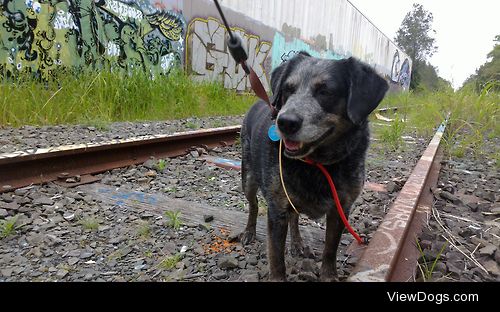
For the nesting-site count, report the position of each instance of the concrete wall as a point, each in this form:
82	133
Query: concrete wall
328	28
155	35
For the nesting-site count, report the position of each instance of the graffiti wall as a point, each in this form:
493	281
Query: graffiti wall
42	36
154	36
210	59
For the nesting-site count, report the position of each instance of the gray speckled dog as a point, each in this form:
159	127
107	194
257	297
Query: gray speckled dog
323	108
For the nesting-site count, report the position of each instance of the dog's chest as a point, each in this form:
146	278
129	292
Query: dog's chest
311	197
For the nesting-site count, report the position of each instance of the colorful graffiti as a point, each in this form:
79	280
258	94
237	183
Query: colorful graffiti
284	49
43	36
400	74
209	59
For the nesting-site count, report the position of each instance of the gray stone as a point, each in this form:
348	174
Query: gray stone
252	260
250	277
35	239
228	262
7	272
448	208
308	265
220	275
489	250
452	198
9	206
6	198
43	200
484	206
473	206
61	273
489	196
86	254
455	272
208	218
391	187
73	260
150	163
492	267
308	276
117	239
3	213
68	216
74	253
466	233
54	240
497	256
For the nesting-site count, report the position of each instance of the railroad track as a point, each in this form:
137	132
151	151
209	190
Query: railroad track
391	254
38	166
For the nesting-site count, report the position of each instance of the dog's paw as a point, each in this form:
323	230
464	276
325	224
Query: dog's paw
328	279
328	275
247	237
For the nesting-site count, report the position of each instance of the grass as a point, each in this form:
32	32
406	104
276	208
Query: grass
427	268
169	262
174	220
89	223
98	98
144	229
8	227
161	165
392	134
471	124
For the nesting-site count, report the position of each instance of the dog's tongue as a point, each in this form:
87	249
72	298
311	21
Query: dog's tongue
291	145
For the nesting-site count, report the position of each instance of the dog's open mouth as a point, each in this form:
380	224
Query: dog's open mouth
296	149
293	148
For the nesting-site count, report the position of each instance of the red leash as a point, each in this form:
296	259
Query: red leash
336	199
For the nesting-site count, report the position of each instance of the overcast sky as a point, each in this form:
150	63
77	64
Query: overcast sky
465	30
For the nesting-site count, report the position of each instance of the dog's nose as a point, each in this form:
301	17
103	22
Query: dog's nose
289	123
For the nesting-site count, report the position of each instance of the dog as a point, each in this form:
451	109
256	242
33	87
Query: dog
323	107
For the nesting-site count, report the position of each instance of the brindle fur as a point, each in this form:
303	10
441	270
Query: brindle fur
333	99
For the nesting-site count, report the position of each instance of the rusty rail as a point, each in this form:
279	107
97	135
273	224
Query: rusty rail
392	254
37	166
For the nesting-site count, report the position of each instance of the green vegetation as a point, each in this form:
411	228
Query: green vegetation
98	98
392	134
89	223
161	165
7	227
425	266
169	262
144	229
489	71
471	124
174	220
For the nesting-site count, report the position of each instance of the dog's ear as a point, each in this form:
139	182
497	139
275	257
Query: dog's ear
276	79
278	76
366	90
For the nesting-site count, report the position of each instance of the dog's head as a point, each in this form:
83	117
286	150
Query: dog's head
319	100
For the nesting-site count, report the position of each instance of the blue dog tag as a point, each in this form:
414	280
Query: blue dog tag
273	134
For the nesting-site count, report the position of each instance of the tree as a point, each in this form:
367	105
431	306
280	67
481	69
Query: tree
489	71
413	37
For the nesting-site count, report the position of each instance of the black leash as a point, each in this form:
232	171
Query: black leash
239	54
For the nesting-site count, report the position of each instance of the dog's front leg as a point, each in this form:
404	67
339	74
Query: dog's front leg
277	224
334	228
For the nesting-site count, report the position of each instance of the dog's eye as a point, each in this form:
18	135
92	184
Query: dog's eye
322	90
289	89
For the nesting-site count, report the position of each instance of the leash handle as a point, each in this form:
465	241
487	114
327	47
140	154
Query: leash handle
239	54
